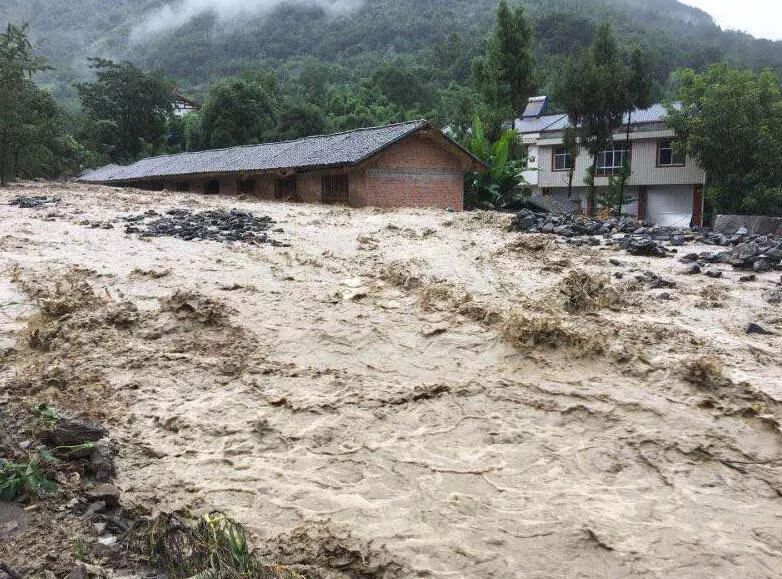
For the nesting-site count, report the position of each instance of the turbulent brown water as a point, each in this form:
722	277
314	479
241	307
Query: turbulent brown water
415	378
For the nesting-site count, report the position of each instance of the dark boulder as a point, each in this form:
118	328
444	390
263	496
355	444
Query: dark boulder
754	328
646	247
75	433
762	264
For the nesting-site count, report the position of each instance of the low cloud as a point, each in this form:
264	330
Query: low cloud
176	14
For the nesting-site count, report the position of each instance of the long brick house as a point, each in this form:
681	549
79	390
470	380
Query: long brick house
402	165
665	187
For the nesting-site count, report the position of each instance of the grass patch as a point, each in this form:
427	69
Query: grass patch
216	547
46	415
17	478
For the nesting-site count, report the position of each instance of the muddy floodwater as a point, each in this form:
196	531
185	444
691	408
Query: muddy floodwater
433	384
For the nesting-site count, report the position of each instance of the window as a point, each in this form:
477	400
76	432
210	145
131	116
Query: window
610	161
563	161
247	186
668	156
334	188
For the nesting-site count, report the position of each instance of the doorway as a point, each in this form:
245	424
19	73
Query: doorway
285	188
212	187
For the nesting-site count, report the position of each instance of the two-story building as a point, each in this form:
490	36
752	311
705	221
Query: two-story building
664	188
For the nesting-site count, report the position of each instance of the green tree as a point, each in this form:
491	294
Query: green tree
504	75
313	81
300	119
32	137
404	86
458	106
125	109
639	96
593	93
731	122
240	111
193	131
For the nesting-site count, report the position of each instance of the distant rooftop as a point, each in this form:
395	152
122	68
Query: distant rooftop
541	123
558	122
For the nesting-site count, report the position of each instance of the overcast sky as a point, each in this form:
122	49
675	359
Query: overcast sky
761	18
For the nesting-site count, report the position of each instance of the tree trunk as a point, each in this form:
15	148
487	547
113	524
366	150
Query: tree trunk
593	187
622	183
3	164
570	182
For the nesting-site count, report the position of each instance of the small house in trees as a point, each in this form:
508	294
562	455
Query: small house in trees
183	105
411	164
665	187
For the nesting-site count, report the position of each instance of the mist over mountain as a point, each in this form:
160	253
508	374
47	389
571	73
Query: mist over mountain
199	41
172	16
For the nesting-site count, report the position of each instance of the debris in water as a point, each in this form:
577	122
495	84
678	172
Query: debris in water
216	225
34	202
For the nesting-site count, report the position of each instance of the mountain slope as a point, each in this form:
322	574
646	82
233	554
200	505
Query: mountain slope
208	47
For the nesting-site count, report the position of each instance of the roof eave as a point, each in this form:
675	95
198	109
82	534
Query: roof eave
223	173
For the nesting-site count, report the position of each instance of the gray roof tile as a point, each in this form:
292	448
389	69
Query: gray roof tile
348	148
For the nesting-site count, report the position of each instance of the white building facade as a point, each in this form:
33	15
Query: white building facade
664	188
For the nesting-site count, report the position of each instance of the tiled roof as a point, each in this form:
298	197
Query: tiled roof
341	149
654	114
538	124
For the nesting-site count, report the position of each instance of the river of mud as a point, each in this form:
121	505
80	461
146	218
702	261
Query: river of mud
416	378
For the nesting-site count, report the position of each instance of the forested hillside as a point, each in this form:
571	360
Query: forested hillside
439	35
268	70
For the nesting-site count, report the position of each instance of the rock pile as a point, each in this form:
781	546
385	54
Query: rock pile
759	253
216	225
35	202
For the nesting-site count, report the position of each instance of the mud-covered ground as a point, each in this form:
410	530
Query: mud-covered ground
465	401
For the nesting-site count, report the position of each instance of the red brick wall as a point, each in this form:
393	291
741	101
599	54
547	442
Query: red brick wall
357	184
416	172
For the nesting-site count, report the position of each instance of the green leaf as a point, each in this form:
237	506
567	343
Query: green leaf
500	153
46	456
478	140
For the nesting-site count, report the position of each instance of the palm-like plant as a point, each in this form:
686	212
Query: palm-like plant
499	186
